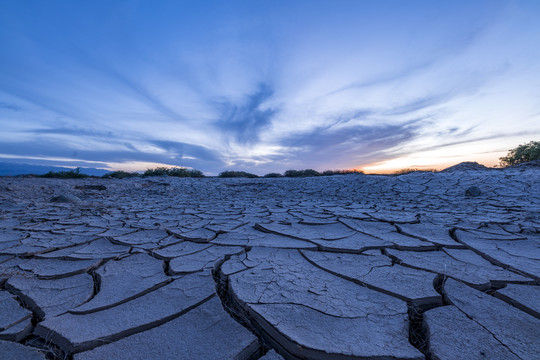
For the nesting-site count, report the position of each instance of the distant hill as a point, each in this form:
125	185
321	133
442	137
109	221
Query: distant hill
12	169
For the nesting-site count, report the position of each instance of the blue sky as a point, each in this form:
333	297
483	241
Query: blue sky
267	86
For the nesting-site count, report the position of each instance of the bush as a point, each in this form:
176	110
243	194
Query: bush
182	172
160	171
302	173
413	170
177	172
120	175
340	172
71	174
236	174
273	175
521	154
194	173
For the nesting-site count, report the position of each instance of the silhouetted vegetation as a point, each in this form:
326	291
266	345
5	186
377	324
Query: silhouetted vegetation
177	172
273	175
71	174
160	171
413	170
523	153
182	172
236	174
340	172
301	173
311	173
120	175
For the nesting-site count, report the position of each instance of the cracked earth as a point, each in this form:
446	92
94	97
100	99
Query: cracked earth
342	267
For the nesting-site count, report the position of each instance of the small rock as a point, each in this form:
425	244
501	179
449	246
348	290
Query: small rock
473	191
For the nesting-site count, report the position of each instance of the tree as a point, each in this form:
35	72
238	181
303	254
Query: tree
523	153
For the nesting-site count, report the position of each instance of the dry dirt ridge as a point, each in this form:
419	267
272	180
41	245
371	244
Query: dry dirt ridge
416	266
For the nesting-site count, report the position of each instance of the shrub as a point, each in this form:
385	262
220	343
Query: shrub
159	171
120	175
523	153
302	173
182	172
194	173
273	175
177	172
340	172
71	174
412	170
236	174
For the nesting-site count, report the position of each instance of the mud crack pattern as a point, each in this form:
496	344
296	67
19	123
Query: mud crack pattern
342	267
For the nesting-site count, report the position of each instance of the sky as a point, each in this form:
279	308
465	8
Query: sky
268	85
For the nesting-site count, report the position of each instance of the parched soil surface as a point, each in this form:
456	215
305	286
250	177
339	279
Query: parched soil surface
417	266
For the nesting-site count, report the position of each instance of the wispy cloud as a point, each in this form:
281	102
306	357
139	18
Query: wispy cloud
190	155
74	132
9	106
334	148
246	120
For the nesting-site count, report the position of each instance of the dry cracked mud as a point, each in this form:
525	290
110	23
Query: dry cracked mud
342	267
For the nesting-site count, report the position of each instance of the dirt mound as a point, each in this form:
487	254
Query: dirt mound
466	166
